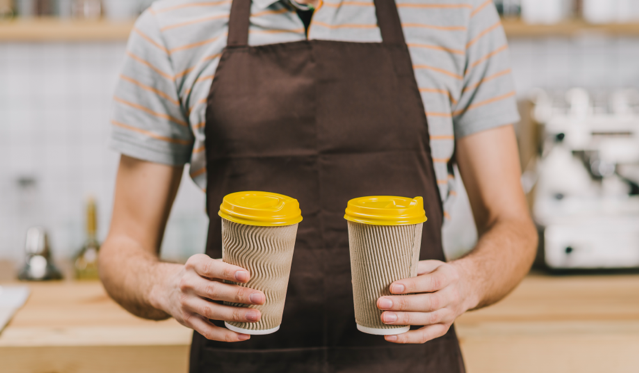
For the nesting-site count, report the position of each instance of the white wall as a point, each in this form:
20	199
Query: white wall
590	61
55	101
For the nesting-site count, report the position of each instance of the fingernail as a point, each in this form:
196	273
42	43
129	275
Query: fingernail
389	317
256	298
397	288
391	338
253	315
242	276
243	337
385	303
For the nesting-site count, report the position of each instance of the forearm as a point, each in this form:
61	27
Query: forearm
502	257
132	276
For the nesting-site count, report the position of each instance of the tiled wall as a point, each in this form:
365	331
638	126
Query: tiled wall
55	101
590	61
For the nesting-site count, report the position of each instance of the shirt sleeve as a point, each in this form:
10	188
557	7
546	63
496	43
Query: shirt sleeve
488	93
148	120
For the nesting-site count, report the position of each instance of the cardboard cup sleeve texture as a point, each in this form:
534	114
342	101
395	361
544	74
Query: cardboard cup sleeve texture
380	255
267	253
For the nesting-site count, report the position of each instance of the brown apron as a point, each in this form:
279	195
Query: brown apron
323	122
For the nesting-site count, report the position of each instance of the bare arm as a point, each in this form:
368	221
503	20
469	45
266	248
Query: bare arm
134	276
129	264
489	164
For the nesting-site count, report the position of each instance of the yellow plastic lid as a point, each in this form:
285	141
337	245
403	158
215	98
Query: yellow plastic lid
386	210
261	208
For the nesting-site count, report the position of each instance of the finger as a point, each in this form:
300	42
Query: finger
425	302
426	283
204	266
214	311
428	266
419	336
212	332
415	318
216	290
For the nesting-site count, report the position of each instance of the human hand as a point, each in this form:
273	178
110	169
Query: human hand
437	297
188	296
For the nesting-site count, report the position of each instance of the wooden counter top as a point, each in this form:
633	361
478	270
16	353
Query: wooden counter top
549	324
557	325
74	327
81	314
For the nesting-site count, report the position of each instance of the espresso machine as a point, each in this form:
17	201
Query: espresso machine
586	197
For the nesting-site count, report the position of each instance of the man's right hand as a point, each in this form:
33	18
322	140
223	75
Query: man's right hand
188	296
134	276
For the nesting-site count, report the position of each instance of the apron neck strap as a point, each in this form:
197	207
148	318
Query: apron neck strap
389	22
239	21
387	19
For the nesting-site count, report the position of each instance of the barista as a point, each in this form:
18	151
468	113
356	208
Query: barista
323	102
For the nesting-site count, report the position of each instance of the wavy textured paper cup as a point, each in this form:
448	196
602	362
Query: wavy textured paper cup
258	234
267	253
380	255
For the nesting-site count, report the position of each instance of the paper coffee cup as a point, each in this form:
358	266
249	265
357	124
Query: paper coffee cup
258	234
384	239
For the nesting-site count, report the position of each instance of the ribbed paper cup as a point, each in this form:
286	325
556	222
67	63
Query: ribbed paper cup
380	255
267	253
385	235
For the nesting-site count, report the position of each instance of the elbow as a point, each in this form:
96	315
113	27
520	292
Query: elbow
520	234
105	256
523	238
530	242
106	271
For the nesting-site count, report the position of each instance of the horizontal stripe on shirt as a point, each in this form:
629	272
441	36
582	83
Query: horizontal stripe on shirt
458	49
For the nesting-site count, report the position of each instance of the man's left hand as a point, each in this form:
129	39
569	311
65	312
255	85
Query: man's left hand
435	298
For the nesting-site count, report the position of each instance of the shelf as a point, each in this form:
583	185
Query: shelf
56	30
519	29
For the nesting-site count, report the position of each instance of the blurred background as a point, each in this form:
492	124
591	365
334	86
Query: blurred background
59	63
575	66
60	59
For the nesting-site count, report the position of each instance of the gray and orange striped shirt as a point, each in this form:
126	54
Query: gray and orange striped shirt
458	49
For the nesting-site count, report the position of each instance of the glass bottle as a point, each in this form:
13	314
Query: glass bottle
86	262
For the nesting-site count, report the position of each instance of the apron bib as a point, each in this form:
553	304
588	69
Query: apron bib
322	122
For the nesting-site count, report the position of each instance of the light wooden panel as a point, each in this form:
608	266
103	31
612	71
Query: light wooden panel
549	324
81	314
580	352
123	359
568	298
51	29
517	28
74	327
557	325
55	30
